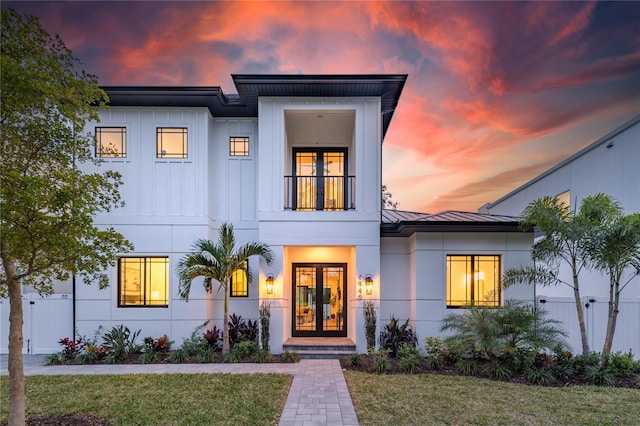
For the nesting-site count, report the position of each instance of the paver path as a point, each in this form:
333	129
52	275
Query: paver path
318	394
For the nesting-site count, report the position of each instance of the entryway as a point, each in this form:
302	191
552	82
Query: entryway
319	304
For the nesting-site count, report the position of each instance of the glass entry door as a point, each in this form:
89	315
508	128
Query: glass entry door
320	178
319	305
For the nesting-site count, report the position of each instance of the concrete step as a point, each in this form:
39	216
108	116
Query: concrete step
320	348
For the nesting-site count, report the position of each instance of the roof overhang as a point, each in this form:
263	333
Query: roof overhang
387	87
406	229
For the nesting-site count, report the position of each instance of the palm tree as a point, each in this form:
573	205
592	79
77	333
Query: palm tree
615	250
218	262
566	235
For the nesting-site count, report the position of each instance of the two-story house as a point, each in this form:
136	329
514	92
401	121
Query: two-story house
294	161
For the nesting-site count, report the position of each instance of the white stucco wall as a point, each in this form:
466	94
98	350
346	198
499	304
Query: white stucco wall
415	269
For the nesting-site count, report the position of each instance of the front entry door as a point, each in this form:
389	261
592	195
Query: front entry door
319	307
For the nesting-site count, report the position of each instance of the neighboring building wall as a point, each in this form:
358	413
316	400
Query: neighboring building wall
609	166
415	269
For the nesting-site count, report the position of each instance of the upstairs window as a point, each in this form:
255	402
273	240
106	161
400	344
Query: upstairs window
111	142
238	146
239	283
143	281
473	281
565	198
171	142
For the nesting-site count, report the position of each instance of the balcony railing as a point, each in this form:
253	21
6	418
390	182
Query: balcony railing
324	193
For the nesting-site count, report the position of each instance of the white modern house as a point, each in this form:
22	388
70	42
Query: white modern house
293	161
610	165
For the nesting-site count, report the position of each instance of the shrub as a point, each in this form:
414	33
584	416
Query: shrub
539	375
205	355
468	366
434	362
599	376
148	357
394	335
245	349
159	345
72	348
290	356
241	330
580	362
370	320
520	360
381	362
55	359
193	345
178	356
355	360
433	346
561	356
492	332
495	369
410	359
91	354
119	343
261	356
265	315
622	365
213	338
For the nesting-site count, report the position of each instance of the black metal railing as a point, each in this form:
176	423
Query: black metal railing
324	193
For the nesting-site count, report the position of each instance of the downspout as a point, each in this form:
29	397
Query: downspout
73	301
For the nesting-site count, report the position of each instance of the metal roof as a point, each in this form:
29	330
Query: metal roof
403	223
252	86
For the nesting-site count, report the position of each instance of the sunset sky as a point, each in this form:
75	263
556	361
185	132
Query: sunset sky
496	94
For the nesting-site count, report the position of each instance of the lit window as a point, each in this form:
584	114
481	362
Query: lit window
473	281
143	281
565	198
239	283
111	142
171	142
238	146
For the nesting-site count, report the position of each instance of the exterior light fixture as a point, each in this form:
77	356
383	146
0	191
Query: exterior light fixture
269	284
368	285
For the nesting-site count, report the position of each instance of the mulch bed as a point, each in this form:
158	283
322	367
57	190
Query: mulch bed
367	365
67	420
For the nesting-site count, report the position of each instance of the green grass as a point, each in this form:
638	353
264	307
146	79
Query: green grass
152	399
433	399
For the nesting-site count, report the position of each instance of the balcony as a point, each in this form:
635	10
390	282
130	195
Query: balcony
319	193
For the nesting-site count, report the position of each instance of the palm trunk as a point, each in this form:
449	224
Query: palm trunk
17	400
580	311
226	349
614	300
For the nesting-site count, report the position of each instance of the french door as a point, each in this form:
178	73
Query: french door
320	179
319	302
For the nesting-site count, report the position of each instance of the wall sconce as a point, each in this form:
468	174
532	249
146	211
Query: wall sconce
269	284
368	285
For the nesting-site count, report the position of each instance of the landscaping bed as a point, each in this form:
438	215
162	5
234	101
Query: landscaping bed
370	364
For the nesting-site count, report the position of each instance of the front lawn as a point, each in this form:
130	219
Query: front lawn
437	399
175	399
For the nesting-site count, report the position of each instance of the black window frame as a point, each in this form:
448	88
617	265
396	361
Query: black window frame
320	151
246	277
244	141
163	154
145	304
98	142
473	302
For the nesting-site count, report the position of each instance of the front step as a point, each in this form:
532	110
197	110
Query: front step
320	348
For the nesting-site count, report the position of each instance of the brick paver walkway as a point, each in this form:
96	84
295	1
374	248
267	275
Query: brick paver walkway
318	394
